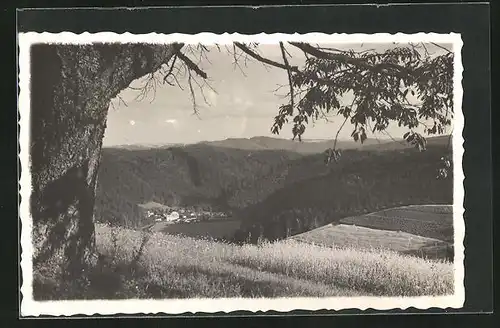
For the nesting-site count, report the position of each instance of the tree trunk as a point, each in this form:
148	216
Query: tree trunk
71	89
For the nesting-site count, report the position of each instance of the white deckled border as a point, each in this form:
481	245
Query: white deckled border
30	307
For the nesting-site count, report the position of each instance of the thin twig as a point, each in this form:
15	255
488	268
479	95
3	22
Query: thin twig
169	73
439	46
347	117
120	100
193	96
287	65
202	92
235	62
370	127
392	138
279	65
427	54
338	131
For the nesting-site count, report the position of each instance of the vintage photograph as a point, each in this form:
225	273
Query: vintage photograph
184	173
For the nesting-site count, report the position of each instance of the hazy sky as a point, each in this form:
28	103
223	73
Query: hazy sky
243	105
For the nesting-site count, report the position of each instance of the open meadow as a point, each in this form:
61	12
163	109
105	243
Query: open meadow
430	221
421	230
137	264
343	235
211	228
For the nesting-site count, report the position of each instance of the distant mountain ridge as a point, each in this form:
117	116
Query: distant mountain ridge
306	146
303	147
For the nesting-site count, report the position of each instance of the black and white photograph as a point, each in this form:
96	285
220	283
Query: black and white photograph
223	172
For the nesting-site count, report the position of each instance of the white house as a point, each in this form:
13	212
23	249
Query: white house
173	216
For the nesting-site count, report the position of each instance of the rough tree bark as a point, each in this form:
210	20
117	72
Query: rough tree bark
71	89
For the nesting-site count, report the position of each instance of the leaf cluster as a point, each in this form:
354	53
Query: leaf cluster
380	85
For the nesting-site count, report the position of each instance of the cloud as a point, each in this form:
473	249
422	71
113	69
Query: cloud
132	122
171	121
174	123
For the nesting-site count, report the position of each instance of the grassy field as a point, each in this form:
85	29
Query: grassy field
430	221
437	209
136	264
210	228
343	235
419	230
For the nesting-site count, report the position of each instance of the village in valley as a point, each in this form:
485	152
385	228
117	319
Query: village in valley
155	212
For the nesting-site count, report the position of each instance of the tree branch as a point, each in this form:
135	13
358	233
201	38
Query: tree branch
254	55
270	62
287	65
398	70
193	95
338	131
169	73
191	65
342	126
439	46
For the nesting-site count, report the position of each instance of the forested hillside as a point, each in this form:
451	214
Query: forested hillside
361	182
197	176
264	185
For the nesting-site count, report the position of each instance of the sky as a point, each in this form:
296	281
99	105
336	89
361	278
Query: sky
243	104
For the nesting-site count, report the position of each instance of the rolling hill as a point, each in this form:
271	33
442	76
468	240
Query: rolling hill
317	146
361	182
425	231
425	220
247	182
193	176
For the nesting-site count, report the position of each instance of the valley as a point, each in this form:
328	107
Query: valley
261	190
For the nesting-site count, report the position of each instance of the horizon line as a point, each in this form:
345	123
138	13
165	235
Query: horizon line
384	139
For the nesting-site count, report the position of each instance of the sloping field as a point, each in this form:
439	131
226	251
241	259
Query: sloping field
438	209
430	221
166	266
419	230
210	228
351	236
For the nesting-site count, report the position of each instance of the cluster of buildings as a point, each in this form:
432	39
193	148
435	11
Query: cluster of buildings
161	213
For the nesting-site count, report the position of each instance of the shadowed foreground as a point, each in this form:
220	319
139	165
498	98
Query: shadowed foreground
140	265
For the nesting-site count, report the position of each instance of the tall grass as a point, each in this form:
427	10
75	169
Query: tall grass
376	272
136	264
154	265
